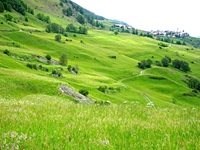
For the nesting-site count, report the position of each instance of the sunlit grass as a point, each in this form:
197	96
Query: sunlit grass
46	122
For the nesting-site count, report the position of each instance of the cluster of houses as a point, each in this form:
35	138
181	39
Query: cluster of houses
122	26
169	33
166	33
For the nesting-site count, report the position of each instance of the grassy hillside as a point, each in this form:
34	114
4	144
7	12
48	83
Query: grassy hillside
149	108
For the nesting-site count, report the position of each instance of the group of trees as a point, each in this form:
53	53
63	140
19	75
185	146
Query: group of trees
17	5
193	83
165	62
181	65
43	18
145	64
55	28
170	40
68	12
74	29
83	16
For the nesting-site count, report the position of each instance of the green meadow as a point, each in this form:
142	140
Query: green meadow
148	108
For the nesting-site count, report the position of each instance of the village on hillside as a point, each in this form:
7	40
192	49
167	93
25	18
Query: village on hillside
166	33
169	33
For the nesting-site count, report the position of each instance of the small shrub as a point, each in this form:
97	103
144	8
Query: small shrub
69	67
158	63
114	57
54	72
103	89
8	17
35	66
84	92
63	59
163	44
48	57
57	74
116	32
7	52
58	38
65	34
30	66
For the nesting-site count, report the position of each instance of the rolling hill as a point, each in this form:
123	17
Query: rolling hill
138	103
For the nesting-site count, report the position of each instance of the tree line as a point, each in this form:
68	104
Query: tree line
56	28
17	5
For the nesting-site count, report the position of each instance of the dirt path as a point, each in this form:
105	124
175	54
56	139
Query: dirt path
131	76
149	102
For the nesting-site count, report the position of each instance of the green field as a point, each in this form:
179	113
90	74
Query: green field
148	109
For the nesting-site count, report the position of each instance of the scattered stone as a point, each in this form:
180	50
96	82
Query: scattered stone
75	95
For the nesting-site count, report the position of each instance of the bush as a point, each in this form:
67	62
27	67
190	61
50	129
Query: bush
57	74
71	28
7	52
181	65
163	44
84	92
30	66
114	57
82	30
43	18
63	59
158	63
103	89
145	64
165	62
55	28
116	32
8	17
48	57
58	38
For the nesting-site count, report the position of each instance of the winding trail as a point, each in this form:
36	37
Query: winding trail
148	100
132	76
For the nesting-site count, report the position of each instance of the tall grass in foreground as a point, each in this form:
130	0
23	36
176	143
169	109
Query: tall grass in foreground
44	122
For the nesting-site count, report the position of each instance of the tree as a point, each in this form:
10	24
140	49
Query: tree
193	83
1	7
69	12
148	63
142	64
7	6
71	28
184	66
165	62
61	4
8	17
170	60
58	38
55	28
26	19
116	32
63	59
82	30
81	19
145	64
176	63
